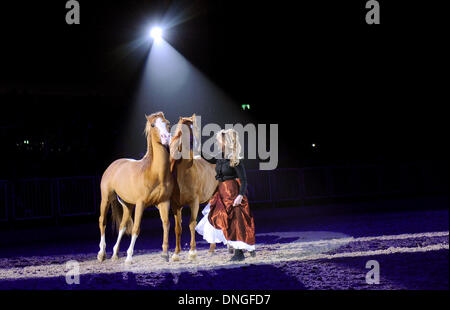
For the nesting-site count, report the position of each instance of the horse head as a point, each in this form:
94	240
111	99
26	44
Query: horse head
185	132
157	128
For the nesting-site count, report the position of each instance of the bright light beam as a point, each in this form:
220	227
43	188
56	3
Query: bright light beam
156	34
170	83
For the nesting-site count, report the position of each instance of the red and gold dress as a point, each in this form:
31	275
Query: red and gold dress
223	222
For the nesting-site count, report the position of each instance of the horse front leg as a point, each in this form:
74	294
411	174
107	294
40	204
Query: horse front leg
192	223
136	229
164	214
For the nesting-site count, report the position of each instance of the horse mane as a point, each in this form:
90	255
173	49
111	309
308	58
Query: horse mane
175	145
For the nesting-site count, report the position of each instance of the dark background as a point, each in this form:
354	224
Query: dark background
362	93
370	97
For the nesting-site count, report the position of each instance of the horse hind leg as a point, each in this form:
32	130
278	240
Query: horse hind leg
192	223
230	249
178	230
104	207
135	232
126	218
212	247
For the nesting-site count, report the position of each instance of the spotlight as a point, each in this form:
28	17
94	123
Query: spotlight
156	34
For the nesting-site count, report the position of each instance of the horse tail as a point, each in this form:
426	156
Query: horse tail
117	206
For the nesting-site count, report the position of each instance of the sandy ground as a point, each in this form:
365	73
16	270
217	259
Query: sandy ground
411	248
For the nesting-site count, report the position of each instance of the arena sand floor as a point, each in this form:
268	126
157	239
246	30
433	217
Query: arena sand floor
295	250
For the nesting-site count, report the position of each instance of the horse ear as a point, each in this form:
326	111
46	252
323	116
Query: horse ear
147	117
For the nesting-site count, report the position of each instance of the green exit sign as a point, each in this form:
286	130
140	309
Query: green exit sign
245	106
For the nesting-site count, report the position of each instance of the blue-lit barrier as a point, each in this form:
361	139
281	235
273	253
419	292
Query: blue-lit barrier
77	195
258	186
73	196
34	199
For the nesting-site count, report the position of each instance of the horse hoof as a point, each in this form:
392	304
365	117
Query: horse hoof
115	257
192	255
101	257
211	253
175	257
230	250
165	256
128	261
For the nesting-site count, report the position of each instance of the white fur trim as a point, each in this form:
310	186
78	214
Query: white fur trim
240	245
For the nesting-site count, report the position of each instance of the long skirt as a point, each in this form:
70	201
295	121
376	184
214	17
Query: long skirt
224	223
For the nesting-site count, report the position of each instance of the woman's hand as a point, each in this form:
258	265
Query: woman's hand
238	200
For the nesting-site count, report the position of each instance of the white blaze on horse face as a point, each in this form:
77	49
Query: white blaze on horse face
164	135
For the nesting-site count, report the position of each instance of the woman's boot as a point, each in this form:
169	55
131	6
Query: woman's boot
238	255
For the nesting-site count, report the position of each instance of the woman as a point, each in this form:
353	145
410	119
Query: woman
227	217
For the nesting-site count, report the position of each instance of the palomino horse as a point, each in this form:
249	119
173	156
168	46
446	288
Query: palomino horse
129	183
195	181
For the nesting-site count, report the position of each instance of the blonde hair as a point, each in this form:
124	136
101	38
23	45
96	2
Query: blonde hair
230	139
